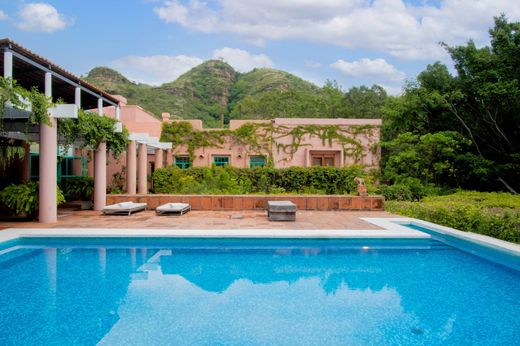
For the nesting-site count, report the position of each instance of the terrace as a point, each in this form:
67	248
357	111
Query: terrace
204	219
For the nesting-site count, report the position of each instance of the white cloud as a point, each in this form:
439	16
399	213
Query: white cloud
41	17
312	64
394	90
393	26
3	15
155	69
242	60
372	69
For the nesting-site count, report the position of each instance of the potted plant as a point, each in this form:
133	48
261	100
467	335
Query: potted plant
81	189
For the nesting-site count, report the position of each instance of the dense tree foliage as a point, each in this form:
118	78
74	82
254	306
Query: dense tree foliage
328	102
481	103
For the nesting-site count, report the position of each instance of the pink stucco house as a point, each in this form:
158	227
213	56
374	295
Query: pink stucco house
359	145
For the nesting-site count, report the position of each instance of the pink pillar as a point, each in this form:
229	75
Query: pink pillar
48	211
131	168
158	158
142	167
26	174
100	176
100	170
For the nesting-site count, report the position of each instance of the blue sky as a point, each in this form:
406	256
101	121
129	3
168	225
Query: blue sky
354	42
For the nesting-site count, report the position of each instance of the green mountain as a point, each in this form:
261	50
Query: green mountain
213	91
208	91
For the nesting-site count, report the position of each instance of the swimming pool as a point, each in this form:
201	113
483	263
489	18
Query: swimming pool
253	291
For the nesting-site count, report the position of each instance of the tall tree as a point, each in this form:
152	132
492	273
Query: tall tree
488	96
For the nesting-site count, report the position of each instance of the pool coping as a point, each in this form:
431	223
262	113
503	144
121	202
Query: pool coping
480	239
401	233
391	228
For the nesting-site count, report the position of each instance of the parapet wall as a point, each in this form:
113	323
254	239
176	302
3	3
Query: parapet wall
256	202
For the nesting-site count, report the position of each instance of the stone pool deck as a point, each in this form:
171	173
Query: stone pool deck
202	219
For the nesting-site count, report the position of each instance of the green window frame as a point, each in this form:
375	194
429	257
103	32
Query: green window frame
182	162
256	161
221	161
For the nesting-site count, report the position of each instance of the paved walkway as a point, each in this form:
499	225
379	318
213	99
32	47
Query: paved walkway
208	220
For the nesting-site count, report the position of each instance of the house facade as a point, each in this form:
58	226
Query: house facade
284	142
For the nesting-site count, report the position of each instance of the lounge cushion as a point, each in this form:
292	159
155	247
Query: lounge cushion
173	208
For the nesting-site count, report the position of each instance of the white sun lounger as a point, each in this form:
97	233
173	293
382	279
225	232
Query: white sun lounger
173	208
124	208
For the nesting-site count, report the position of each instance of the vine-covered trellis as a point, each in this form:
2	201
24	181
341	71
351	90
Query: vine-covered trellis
87	131
19	97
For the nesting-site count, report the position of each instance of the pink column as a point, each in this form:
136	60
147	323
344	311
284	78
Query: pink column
100	176
26	174
100	170
48	211
142	167
158	158
169	158
131	168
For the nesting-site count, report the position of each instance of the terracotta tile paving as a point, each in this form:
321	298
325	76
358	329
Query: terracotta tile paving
306	219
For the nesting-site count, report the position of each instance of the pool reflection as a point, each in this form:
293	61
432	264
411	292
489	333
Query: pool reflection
270	295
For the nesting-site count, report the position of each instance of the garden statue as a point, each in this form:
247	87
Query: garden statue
361	188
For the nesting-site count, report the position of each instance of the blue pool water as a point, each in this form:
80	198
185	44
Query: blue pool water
253	292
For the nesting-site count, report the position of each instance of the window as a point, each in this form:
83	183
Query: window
319	159
182	162
34	166
66	164
221	161
256	161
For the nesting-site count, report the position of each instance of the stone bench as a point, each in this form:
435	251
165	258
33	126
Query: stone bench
281	211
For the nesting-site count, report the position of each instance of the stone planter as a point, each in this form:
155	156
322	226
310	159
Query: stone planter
86	205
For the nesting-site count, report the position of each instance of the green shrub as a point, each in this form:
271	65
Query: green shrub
229	180
493	214
410	189
396	192
80	188
23	198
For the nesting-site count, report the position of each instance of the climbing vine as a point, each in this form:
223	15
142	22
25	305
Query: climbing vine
10	152
89	130
21	98
263	137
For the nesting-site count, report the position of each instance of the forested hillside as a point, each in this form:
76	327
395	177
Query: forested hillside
215	92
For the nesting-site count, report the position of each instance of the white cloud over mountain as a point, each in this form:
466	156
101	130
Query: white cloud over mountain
159	69
155	69
392	26
242	60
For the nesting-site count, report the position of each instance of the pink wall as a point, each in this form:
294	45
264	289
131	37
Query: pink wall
310	146
137	119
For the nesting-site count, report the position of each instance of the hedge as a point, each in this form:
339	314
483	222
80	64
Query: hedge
229	180
493	214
